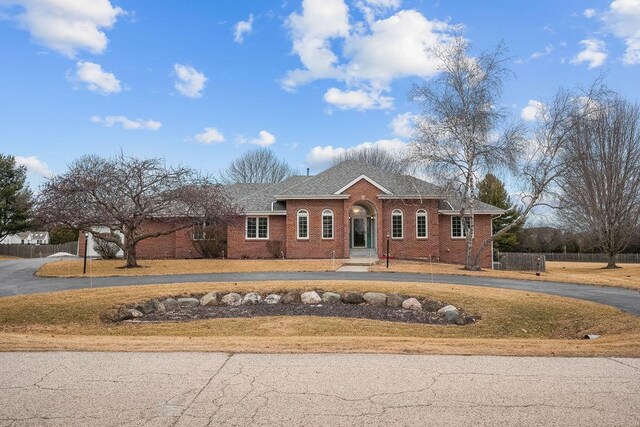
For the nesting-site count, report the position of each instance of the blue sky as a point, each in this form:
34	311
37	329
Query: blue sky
199	82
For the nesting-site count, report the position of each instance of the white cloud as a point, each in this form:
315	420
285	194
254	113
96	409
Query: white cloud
34	165
95	78
242	28
264	139
374	52
357	99
209	136
539	54
324	155
371	8
623	20
67	26
396	47
129	124
403	124
594	53
532	111
189	81
311	32
589	13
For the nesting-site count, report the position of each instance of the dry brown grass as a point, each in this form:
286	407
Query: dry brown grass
586	273
513	323
110	268
7	257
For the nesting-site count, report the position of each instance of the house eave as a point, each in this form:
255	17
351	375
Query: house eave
366	178
408	197
313	197
477	212
264	213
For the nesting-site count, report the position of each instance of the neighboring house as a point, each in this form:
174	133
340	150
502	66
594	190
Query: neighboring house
346	211
91	252
27	238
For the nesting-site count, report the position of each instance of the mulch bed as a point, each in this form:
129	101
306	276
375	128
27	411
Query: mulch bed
353	311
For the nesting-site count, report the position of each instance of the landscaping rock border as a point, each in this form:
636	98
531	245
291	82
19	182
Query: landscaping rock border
351	304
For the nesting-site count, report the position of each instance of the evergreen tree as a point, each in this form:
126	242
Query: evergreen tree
15	197
492	191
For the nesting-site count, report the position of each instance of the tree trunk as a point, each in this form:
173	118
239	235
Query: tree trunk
132	261
612	261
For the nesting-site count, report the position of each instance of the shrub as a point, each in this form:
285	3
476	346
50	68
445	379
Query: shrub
106	250
275	247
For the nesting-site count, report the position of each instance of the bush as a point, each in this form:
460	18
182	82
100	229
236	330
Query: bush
275	247
106	250
60	235
211	241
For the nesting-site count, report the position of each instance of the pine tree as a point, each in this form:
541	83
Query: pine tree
492	191
15	197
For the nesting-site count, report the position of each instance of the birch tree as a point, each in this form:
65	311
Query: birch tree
463	132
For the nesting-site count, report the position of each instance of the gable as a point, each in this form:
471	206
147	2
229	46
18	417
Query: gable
360	178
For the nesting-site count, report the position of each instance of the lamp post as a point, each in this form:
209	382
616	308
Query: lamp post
86	238
388	250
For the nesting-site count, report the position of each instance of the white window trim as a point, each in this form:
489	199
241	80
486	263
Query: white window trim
394	213
204	233
419	213
473	231
301	213
246	228
327	212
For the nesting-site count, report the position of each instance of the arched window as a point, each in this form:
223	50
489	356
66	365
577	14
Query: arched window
396	224
327	224
303	224
422	227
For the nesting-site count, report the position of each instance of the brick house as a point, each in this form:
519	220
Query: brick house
346	211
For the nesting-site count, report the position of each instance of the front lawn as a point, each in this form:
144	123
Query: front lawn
513	323
109	268
586	273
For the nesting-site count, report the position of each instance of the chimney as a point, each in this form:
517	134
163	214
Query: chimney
307	171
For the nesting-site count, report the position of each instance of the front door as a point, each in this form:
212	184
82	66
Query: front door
359	232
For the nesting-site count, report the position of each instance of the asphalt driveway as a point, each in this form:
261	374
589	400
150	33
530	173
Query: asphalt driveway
17	277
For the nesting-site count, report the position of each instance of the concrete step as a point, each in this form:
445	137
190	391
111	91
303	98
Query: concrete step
361	261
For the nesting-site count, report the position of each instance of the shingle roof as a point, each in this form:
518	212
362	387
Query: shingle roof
336	177
272	197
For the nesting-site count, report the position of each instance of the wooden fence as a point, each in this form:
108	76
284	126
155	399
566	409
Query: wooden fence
520	261
579	257
38	251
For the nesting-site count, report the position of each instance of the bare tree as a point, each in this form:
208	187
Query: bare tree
375	156
125	194
601	187
463	132
257	166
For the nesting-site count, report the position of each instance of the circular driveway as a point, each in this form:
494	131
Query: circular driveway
17	278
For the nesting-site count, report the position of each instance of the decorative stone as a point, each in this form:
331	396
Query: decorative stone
209	299
132	313
272	299
377	299
394	300
232	299
330	297
431	305
411	304
188	302
171	304
352	298
158	306
291	298
450	312
310	297
145	307
252	298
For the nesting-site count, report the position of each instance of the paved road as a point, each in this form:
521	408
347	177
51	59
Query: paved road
16	277
199	389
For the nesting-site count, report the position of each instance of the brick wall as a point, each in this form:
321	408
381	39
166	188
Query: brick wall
239	247
315	246
410	246
453	250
